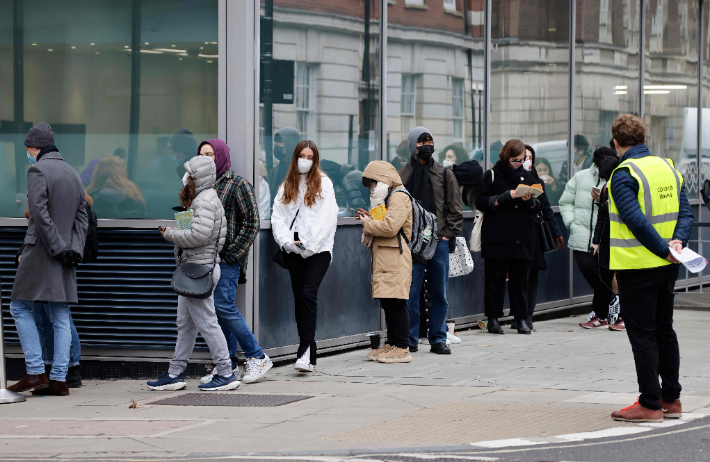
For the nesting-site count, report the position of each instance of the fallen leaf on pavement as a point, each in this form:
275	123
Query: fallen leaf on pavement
134	405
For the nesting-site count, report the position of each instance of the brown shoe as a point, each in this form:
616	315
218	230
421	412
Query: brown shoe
395	355
672	410
55	388
372	355
638	413
30	382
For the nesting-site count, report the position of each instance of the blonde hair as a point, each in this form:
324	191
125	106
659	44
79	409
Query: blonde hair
110	173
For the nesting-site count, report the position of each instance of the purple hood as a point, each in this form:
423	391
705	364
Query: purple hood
221	155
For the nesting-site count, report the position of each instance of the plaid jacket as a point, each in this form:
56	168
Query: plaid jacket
242	213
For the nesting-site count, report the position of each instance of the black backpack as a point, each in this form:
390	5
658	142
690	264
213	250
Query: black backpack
91	247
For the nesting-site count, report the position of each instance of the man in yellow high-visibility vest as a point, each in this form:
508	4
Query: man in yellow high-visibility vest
649	214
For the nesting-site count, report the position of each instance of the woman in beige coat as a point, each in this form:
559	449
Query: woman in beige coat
391	266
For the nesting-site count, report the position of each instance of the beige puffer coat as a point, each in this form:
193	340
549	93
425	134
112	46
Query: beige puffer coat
391	270
198	243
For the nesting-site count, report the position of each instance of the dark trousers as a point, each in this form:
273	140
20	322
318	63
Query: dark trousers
306	276
646	298
533	287
397	319
518	272
599	278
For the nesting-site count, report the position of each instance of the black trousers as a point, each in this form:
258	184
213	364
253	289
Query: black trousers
397	319
533	288
646	298
306	277
518	272
599	278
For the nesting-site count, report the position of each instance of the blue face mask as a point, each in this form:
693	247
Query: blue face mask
33	160
176	161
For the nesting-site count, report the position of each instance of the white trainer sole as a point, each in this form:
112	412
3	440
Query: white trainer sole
170	387
246	379
306	368
230	386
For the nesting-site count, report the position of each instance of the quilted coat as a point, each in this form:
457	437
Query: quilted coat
391	270
579	210
202	242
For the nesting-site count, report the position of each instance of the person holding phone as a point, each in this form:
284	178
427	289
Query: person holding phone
304	221
579	207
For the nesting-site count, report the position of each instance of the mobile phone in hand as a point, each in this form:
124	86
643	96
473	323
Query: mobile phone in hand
596	190
300	246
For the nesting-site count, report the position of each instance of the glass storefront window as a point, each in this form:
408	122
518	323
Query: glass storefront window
671	85
607	71
530	84
435	77
118	114
325	74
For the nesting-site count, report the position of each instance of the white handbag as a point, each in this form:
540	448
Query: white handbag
478	225
460	262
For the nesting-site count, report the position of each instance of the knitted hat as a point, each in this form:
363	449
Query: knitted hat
183	141
40	136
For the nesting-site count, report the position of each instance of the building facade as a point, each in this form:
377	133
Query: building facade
145	81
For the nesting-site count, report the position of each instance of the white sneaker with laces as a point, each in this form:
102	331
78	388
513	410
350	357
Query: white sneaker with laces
208	378
303	364
256	368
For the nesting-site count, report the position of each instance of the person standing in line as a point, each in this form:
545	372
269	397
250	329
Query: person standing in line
508	236
424	178
242	218
183	146
200	244
649	215
304	221
579	207
53	247
538	262
600	241
391	259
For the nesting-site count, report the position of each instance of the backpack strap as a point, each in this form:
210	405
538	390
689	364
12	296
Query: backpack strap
400	233
446	195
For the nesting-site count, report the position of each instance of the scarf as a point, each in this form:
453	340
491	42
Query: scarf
379	194
419	184
46	149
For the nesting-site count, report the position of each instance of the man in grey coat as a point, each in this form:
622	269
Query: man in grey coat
53	247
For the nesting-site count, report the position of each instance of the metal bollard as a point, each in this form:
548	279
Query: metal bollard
6	396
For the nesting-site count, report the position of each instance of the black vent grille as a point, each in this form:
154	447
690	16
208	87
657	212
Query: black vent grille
125	300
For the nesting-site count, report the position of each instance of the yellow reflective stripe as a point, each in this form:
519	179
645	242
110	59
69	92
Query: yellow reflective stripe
647	199
615	242
675	173
654	220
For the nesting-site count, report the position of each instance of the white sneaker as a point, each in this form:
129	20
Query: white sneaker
303	364
208	378
257	368
451	338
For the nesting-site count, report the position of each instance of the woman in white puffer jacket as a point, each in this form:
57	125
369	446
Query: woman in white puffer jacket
199	244
304	220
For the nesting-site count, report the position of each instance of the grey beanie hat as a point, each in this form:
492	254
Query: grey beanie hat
414	135
183	141
40	136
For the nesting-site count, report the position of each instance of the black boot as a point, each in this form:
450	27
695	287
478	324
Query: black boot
530	324
74	377
494	326
514	324
523	327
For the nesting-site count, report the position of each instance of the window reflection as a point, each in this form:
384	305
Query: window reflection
530	80
331	49
114	110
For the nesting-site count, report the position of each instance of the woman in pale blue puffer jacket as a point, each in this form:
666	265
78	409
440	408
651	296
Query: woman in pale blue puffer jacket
579	207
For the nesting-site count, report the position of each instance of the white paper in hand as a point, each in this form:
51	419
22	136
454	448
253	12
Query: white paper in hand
691	260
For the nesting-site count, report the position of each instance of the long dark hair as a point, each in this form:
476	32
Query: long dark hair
314	176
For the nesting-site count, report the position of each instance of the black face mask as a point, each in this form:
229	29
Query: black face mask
425	151
279	152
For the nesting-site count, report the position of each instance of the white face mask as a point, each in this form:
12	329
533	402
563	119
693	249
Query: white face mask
305	165
185	179
527	165
378	194
447	163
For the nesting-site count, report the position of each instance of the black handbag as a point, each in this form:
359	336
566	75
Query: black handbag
280	257
547	240
194	280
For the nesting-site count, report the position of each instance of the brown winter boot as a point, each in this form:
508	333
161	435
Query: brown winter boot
30	382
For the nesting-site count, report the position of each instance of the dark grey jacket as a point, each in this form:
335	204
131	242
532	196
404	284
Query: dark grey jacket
58	221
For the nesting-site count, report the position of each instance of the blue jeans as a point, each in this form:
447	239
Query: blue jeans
230	319
60	317
438	271
46	335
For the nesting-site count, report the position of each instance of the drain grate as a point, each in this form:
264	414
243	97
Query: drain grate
237	400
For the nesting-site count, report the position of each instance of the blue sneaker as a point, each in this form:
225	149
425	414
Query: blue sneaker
167	383
220	383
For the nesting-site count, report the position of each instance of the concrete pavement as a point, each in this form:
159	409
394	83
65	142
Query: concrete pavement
560	380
